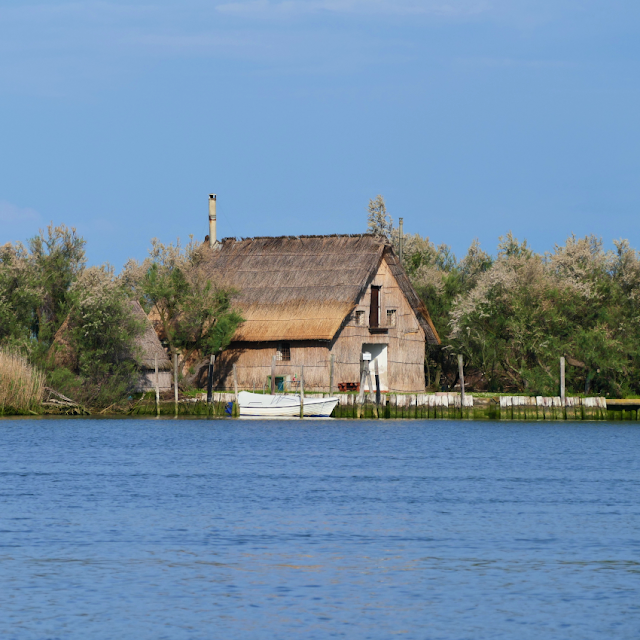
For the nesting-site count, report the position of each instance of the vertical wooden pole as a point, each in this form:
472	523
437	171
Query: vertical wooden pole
331	375
562	394
235	382
363	376
360	398
371	392
155	361
273	375
376	412
175	380
401	240
461	374
212	361
302	391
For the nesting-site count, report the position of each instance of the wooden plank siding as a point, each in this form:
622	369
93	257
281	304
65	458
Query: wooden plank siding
406	341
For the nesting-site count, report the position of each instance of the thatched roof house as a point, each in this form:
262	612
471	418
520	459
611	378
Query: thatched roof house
307	298
150	351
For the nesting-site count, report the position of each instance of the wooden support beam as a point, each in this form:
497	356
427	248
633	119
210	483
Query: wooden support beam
331	361
175	380
155	362
235	382
273	375
302	391
212	362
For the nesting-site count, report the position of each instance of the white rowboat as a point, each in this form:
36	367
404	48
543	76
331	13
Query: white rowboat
256	404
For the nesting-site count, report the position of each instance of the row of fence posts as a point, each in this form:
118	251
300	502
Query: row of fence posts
562	376
547	406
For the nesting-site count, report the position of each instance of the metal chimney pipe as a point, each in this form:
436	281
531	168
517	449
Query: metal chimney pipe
212	220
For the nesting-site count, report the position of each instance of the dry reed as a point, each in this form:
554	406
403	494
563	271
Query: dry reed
21	385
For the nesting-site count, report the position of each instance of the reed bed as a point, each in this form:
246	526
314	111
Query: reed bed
21	385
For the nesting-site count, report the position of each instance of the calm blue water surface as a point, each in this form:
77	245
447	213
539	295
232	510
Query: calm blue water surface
318	529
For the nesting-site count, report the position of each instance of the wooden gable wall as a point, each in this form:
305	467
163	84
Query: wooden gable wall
405	340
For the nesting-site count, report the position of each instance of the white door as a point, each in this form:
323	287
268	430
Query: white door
378	352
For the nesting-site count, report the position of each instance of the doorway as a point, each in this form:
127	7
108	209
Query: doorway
378	352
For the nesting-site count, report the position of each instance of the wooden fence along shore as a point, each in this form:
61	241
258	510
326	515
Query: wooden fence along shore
431	406
417	406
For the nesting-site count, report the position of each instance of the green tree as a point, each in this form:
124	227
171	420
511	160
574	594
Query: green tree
101	340
20	296
34	286
57	257
195	315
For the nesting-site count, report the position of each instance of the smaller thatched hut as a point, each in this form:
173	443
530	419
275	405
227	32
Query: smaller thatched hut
148	349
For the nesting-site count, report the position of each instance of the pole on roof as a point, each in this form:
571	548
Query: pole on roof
212	220
401	239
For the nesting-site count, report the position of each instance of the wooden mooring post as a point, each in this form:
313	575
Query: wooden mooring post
331	360
377	376
461	375
562	364
302	391
155	362
175	380
360	398
273	375
235	382
212	362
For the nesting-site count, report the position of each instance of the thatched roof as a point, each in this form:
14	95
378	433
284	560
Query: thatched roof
303	287
61	351
148	344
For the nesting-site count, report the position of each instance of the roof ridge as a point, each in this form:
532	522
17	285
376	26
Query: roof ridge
382	239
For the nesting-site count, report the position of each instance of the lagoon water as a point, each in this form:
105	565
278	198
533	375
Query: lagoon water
318	529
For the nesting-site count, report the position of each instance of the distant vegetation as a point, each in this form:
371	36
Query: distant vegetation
514	314
46	290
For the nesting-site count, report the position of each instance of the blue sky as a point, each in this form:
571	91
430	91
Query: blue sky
471	117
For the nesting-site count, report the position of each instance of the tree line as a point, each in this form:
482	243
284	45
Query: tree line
514	314
511	315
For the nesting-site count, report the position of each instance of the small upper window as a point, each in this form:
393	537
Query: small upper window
284	351
391	317
359	318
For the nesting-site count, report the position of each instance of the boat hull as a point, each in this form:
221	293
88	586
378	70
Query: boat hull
256	405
